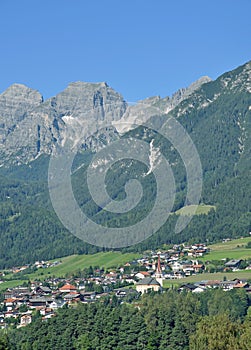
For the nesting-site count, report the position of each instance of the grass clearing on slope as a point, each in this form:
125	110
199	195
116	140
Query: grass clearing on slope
201	209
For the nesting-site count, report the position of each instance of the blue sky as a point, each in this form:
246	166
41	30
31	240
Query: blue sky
139	47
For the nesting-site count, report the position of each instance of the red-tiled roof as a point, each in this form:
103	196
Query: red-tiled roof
10	300
240	285
68	287
144	273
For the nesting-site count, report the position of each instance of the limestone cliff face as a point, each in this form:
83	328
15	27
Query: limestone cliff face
143	110
30	127
90	115
15	103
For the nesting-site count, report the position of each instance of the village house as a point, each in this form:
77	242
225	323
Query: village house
176	266
199	289
47	312
188	287
196	252
22	291
39	302
142	274
9	293
67	288
73	297
124	292
181	265
244	285
25	320
198	267
228	285
87	296
43	290
57	303
233	264
10	304
11	313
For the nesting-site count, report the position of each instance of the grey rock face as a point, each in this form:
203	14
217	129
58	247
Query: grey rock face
92	114
30	127
15	103
183	94
143	110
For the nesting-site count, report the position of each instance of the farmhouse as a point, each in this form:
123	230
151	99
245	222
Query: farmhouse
142	274
233	264
25	320
68	288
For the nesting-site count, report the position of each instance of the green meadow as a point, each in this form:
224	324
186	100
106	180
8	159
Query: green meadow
201	209
246	274
234	249
73	263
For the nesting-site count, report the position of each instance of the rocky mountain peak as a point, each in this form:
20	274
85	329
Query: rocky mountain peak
17	100
87	85
184	93
15	103
84	100
202	80
30	127
144	109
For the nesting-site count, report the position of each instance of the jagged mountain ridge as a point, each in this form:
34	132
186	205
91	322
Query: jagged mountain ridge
36	125
30	126
144	109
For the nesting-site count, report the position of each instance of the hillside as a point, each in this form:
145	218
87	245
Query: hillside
217	116
70	265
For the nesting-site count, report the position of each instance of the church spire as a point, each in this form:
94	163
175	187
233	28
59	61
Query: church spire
158	272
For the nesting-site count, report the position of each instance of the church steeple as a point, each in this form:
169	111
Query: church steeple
158	272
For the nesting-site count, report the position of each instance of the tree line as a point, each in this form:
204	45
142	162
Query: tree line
213	320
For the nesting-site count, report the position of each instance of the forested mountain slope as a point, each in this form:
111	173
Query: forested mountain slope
217	116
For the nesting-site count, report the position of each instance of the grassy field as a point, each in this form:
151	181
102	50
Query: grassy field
234	249
209	276
72	263
230	254
235	243
201	209
10	284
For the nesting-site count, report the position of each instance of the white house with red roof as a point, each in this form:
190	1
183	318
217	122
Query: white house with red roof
142	274
68	288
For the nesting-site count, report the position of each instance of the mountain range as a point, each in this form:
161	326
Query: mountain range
216	114
31	126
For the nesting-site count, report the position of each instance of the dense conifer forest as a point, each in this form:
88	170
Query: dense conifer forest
213	320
